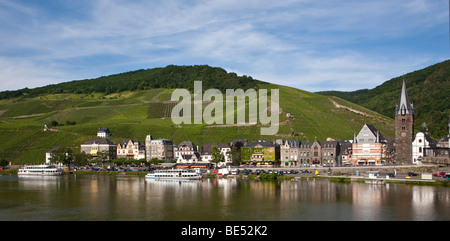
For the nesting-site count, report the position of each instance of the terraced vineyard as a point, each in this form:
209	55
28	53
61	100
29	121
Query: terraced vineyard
135	114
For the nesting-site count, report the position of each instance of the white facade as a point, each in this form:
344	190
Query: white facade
103	132
206	154
130	149
420	142
187	153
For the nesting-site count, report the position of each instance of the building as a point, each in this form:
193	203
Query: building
404	128
48	155
420	143
444	142
187	152
131	149
99	145
103	132
319	153
224	148
369	147
440	150
260	153
440	153
289	153
345	153
161	149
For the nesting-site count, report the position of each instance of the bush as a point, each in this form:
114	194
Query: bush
271	176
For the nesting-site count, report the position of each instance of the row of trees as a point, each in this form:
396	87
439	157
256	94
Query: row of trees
67	157
170	77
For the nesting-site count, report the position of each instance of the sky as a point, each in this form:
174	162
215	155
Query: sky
306	44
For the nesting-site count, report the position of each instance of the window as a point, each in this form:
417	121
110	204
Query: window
316	151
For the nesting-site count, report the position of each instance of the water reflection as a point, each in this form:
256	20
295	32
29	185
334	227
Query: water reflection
133	198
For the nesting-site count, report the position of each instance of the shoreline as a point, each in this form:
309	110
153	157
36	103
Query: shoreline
335	174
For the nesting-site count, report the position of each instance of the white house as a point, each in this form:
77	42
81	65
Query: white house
48	154
206	155
103	132
186	152
422	140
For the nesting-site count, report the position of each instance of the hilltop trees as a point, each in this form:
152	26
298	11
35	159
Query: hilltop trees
170	77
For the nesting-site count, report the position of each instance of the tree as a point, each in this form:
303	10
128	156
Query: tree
217	156
63	156
155	161
236	153
103	157
81	159
4	163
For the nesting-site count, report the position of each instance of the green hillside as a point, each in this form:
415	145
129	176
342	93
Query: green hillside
169	77
428	89
133	114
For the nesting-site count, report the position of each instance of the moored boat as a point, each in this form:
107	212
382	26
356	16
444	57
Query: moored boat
40	170
174	174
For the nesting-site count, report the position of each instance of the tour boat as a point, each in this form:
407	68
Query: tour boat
40	170
174	174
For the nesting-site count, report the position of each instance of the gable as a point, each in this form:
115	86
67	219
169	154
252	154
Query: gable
366	135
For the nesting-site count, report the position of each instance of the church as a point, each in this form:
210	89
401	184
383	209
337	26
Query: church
404	128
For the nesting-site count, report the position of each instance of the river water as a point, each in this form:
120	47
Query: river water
91	197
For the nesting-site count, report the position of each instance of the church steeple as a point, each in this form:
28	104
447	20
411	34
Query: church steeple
404	107
404	128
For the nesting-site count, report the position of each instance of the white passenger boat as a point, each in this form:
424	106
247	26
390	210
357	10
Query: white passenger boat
40	170
174	174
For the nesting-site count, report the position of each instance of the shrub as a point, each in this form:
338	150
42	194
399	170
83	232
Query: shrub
265	176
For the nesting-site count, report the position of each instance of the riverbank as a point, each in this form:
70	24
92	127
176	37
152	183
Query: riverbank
336	174
353	174
344	179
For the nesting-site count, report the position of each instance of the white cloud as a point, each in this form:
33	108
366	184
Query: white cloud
311	45
19	73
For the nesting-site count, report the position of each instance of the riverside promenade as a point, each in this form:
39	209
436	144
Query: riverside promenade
361	172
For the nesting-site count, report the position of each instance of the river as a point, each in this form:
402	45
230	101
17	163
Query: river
102	197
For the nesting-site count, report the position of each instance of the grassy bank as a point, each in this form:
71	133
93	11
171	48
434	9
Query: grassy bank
113	173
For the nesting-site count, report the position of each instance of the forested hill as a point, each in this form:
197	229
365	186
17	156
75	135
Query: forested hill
428	89
169	77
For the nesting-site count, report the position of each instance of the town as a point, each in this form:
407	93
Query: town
367	148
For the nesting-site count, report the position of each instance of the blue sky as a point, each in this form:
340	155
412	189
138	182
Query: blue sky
306	44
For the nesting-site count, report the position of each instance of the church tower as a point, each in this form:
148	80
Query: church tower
404	128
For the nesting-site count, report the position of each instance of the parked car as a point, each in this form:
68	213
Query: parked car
439	174
391	174
412	174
